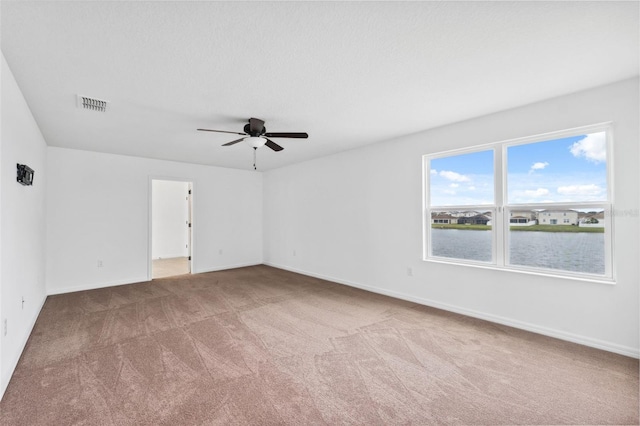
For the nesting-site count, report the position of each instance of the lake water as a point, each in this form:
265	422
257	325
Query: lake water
567	251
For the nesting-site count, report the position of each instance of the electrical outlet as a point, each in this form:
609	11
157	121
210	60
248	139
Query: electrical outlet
294	252
4	327
99	263
409	272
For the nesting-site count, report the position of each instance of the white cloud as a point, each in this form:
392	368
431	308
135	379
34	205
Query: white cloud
456	177
434	172
538	166
592	147
472	188
454	185
590	189
540	192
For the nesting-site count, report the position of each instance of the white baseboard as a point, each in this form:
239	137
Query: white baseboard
94	286
14	362
224	267
170	256
144	278
558	334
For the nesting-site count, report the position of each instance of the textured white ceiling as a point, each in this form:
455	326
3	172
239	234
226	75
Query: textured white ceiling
348	73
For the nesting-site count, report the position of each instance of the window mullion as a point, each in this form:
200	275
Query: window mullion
499	191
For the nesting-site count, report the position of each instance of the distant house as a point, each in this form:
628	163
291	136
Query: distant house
521	221
558	217
478	219
522	218
443	218
465	213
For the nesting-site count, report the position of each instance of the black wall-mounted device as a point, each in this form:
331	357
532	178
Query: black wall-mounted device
25	174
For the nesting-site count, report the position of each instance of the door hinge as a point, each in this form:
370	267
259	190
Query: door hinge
189	257
189	225
189	192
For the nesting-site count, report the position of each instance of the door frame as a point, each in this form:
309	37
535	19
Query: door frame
192	250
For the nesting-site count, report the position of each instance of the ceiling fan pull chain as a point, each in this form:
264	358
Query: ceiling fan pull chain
254	158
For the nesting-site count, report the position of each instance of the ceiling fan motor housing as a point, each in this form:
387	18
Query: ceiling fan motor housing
247	130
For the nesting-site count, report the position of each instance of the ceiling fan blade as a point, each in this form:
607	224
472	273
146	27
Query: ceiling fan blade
233	142
287	135
256	126
274	146
221	131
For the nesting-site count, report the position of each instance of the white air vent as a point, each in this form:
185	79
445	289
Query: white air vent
92	104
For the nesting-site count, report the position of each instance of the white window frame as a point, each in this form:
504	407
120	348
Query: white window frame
495	238
501	209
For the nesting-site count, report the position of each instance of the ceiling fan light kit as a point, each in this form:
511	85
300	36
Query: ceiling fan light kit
255	141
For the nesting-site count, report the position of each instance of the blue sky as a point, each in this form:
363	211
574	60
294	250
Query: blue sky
560	170
462	179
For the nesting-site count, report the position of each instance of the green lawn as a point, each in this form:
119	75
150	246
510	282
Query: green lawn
534	228
465	227
555	228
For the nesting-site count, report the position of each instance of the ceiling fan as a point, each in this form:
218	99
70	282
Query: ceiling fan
256	135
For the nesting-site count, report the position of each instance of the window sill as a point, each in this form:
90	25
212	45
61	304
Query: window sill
596	280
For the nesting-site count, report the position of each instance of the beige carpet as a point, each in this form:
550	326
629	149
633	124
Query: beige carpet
264	346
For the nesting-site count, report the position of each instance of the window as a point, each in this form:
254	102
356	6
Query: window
539	204
462	194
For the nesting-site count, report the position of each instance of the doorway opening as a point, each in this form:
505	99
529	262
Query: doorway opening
171	228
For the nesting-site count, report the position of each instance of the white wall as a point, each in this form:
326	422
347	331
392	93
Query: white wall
98	209
22	224
355	218
169	219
